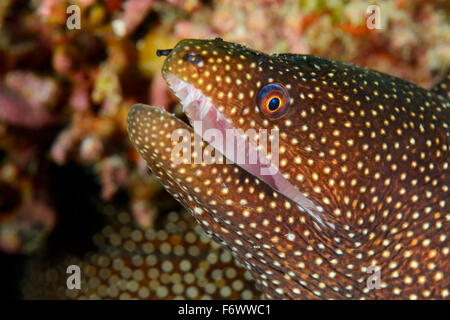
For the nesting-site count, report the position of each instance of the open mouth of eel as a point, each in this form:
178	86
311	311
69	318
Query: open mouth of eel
204	115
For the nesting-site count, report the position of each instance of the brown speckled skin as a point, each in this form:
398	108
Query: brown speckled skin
369	148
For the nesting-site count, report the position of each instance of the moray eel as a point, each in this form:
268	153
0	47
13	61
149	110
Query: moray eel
174	260
355	206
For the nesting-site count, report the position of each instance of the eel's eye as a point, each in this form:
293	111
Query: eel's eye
273	100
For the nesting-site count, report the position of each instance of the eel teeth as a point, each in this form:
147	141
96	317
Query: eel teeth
204	108
188	100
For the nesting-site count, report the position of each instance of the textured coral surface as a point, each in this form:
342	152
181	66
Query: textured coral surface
65	159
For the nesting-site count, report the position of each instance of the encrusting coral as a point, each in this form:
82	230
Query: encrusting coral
65	93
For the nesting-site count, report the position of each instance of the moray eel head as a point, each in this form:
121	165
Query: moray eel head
245	93
355	166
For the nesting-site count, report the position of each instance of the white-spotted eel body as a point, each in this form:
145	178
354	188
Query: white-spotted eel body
360	207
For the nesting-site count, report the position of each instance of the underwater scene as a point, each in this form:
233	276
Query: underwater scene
220	149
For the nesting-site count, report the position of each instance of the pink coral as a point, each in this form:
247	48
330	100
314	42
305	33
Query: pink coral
113	174
40	92
84	81
25	230
134	12
159	94
15	110
63	144
46	8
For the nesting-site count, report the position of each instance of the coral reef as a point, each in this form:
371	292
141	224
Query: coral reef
65	93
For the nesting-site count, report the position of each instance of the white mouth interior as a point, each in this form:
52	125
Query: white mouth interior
199	107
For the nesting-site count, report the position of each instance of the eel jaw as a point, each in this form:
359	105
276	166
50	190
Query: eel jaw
204	115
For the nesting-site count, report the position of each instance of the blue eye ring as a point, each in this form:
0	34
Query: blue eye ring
273	100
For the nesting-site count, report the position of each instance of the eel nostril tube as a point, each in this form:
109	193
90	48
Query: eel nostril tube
164	52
